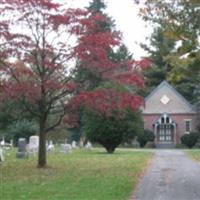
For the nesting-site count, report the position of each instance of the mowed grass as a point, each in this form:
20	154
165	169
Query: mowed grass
80	175
194	153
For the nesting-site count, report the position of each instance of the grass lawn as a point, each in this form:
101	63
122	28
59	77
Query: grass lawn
81	175
195	154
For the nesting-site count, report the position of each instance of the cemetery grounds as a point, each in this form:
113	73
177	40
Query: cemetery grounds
79	175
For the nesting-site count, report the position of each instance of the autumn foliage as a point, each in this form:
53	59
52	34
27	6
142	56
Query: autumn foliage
96	40
36	58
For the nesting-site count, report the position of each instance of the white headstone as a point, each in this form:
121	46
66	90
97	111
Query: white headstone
50	146
88	145
74	146
1	155
66	148
2	143
11	143
33	144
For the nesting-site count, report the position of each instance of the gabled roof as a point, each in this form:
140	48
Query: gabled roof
177	103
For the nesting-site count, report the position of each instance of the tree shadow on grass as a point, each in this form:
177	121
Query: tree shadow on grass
117	152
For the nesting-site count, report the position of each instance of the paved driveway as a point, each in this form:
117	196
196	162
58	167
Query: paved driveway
172	176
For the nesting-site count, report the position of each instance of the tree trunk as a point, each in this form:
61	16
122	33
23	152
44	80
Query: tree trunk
42	161
110	149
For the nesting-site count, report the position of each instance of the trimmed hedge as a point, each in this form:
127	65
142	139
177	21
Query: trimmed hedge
190	139
144	137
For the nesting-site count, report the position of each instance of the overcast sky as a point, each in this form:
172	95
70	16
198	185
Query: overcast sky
125	13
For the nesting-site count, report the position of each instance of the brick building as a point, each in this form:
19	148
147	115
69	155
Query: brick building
168	114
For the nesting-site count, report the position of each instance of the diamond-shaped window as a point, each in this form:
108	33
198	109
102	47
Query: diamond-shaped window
165	99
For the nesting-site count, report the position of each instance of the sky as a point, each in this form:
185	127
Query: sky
133	28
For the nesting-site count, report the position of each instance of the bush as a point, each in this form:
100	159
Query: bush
190	139
197	145
180	146
111	131
135	144
145	136
150	145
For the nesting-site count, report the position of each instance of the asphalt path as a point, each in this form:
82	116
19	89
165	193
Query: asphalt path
171	176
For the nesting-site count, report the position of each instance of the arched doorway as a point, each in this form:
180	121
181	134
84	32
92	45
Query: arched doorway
165	130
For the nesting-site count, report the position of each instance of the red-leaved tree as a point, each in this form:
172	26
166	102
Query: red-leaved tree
99	62
36	57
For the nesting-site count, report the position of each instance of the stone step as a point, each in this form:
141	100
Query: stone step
165	145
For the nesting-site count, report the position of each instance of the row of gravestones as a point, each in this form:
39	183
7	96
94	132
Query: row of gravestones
6	145
25	149
32	148
67	148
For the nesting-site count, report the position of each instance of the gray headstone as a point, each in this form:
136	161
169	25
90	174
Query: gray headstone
22	151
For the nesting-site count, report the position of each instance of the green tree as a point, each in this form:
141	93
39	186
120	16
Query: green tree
111	131
159	47
99	81
12	112
22	128
97	6
180	20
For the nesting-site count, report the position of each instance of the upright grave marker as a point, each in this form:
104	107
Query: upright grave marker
33	144
22	150
1	155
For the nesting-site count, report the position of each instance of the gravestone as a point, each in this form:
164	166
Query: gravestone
11	143
50	146
66	148
2	143
33	144
1	155
22	151
88	145
74	145
5	145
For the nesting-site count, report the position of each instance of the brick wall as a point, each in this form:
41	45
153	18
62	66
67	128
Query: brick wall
150	119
